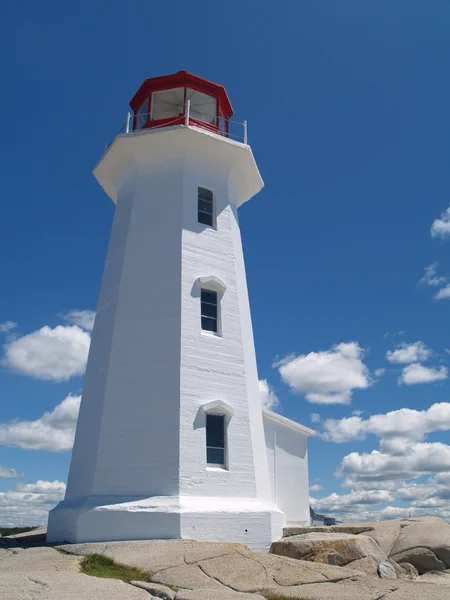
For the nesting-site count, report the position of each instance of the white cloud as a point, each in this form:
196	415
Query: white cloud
326	377
409	353
344	430
315	418
29	504
42	487
441	227
268	397
417	373
346	503
398	424
360	485
6	473
388	474
57	354
379	372
315	488
7	326
431	277
416	460
443	293
53	432
83	318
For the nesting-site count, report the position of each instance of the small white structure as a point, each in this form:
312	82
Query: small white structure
170	441
287	456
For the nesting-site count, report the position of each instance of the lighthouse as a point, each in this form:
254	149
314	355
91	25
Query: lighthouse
171	440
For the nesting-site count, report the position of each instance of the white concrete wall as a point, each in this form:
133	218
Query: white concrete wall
217	367
127	441
287	457
140	447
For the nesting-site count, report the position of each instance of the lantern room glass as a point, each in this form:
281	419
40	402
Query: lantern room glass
203	107
170	104
167	104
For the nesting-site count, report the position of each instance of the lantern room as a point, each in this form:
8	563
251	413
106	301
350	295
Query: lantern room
181	99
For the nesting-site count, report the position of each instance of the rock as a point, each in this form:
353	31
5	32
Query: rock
187	576
37	559
54	585
367	564
290	571
354	529
154	555
387	570
431	534
237	571
385	534
330	548
441	577
409	571
411	590
422	558
156	589
208	594
366	589
246	571
198	551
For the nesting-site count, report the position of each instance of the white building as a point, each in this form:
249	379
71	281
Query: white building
171	440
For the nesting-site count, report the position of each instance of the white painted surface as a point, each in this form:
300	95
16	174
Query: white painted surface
138	467
287	457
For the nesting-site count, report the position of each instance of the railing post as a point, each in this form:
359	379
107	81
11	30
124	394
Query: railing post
245	132
188	111
127	126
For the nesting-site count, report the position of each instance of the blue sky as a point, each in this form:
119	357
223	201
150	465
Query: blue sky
347	104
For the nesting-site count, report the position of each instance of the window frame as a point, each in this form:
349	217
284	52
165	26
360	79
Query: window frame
216	331
216	465
162	91
213	208
139	115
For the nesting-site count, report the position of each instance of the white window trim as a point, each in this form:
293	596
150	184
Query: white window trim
214	216
218	407
226	417
211	282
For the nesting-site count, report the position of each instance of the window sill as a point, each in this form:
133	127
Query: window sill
221	469
211	334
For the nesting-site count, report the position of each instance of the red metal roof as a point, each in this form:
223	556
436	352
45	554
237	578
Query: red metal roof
183	79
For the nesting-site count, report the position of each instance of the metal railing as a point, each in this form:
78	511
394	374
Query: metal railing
234	130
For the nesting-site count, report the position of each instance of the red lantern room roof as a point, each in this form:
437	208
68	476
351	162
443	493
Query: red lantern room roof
181	98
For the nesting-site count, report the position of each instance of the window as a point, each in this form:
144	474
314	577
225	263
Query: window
142	116
205	207
208	305
167	104
203	107
215	440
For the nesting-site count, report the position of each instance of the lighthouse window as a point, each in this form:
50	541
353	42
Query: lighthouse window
205	207
215	440
167	104
142	116
208	301
203	107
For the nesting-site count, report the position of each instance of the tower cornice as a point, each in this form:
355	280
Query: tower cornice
153	148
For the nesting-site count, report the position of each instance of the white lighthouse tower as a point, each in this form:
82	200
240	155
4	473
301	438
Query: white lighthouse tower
170	440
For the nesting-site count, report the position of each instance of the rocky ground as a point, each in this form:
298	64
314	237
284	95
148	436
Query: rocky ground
187	570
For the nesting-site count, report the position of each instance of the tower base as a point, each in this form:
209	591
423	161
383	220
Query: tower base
106	519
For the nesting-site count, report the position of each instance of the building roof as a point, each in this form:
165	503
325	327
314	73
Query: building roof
284	422
183	79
